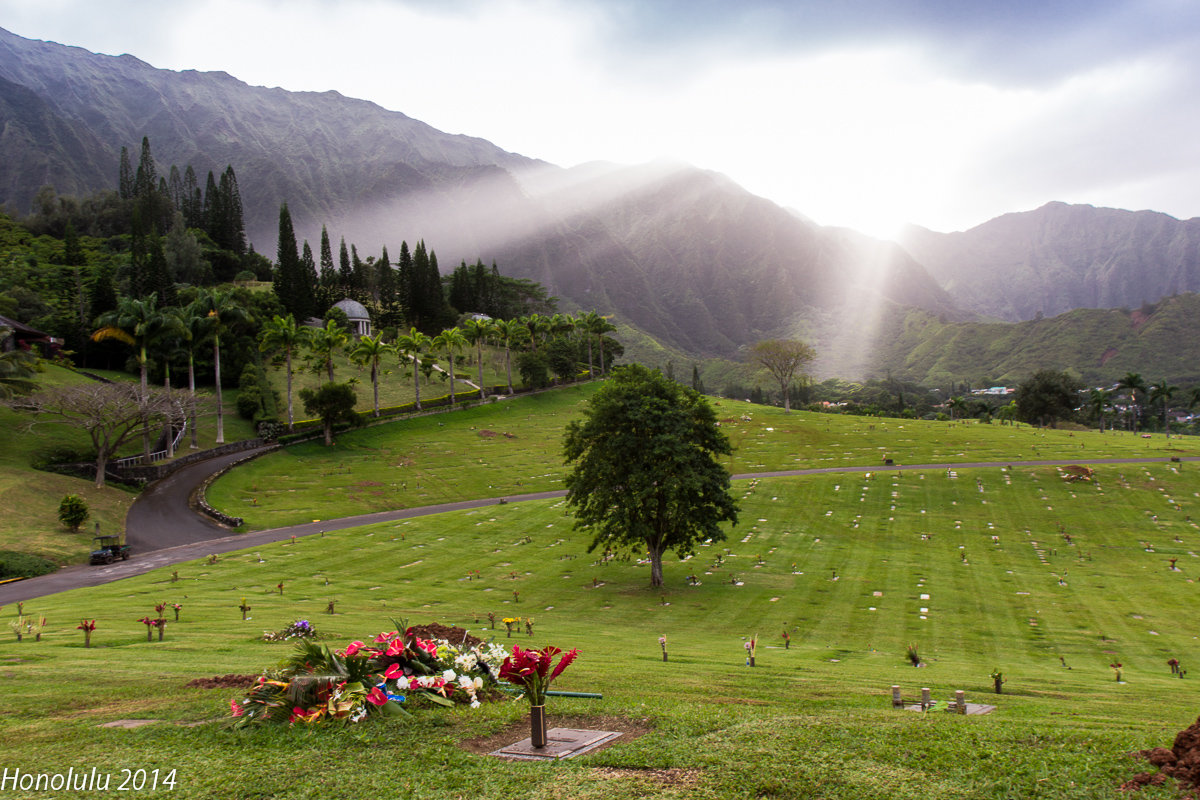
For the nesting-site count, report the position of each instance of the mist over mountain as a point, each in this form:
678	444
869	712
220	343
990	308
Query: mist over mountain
684	255
1060	257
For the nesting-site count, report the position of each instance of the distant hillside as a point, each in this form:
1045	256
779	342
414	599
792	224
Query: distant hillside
687	256
1158	341
67	113
1061	257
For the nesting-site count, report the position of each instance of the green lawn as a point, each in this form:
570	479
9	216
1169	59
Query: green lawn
810	721
514	446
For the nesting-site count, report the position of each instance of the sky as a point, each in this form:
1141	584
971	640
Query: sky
865	113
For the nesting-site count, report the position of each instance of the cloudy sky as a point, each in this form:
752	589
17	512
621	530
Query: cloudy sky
865	113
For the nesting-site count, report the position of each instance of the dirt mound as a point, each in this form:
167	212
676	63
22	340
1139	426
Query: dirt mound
1181	762
455	636
486	434
230	681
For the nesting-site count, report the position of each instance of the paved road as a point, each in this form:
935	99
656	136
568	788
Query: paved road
165	530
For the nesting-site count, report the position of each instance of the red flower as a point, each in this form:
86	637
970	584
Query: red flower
395	648
377	696
236	708
353	648
530	669
385	636
393	672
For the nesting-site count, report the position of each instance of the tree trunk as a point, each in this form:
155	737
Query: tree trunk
145	423
450	359
375	385
656	573
479	365
192	395
417	381
291	419
217	375
101	462
328	423
508	368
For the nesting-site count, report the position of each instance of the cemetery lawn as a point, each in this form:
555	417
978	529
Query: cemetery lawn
973	566
514	446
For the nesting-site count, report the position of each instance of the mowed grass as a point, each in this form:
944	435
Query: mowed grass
840	561
514	446
30	499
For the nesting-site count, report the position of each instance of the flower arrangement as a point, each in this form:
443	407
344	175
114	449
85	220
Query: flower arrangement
176	608
245	609
509	622
300	629
751	649
1116	667
531	671
998	679
318	685
87	626
149	622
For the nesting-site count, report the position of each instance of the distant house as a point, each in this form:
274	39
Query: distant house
27	338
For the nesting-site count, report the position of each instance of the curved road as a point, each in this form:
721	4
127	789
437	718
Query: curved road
164	529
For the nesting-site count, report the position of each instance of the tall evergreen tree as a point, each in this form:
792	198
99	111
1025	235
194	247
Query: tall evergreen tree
193	202
145	181
328	276
125	179
308	269
293	290
404	277
345	269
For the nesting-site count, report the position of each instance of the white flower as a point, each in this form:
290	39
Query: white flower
448	675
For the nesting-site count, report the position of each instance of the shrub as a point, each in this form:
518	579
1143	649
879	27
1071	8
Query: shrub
73	512
23	565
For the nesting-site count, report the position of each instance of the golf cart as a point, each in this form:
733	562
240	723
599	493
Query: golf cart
107	549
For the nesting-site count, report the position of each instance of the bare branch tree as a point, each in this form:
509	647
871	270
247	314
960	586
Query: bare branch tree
109	412
783	358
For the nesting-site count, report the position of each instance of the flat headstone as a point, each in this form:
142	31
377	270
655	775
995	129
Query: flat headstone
560	743
129	723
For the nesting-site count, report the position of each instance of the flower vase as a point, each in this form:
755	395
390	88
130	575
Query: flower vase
537	725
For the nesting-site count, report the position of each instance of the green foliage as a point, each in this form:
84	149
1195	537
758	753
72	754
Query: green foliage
333	403
14	564
534	368
73	511
645	468
1047	397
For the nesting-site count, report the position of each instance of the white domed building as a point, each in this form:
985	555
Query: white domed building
356	312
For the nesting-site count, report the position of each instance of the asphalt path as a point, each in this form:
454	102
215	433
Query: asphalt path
164	529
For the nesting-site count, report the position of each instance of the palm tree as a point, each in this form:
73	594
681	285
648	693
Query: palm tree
282	334
1098	403
412	345
16	368
1134	383
511	332
957	405
537	326
222	310
193	326
369	351
451	341
134	322
139	323
325	342
597	326
1163	391
477	331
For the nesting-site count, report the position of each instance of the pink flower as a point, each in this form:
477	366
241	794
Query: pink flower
393	672
385	636
395	648
236	708
353	648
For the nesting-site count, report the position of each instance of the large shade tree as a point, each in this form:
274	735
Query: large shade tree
108	412
1047	397
645	469
784	359
1163	391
